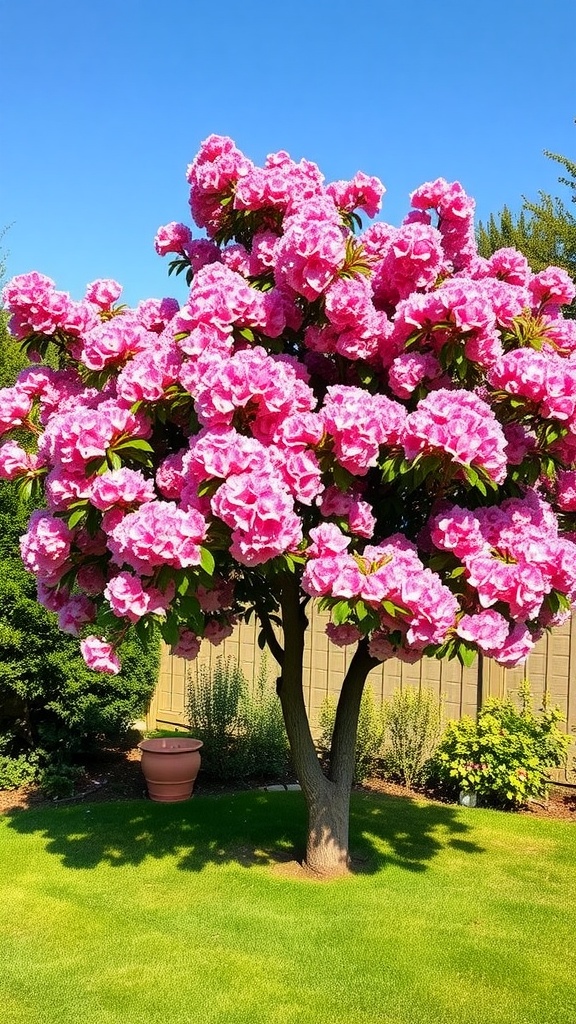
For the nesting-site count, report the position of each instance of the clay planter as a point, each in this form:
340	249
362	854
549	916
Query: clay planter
170	766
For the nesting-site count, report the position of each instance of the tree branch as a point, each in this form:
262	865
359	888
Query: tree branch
346	725
291	692
272	641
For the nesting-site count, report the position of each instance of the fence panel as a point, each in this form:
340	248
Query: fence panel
551	669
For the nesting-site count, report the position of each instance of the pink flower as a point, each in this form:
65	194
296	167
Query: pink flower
123	487
15	462
158	533
216	631
46	546
103	293
172	237
343	635
188	645
488	629
75	613
552	287
359	423
349	506
461	425
260	512
410	369
566	496
100	655
517	647
362	192
128	598
15	405
312	249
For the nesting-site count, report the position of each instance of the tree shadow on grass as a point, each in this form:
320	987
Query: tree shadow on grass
246	828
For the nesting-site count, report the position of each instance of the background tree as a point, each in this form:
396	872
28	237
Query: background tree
545	231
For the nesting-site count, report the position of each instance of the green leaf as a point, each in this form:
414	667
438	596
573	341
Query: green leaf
169	630
144	630
466	654
24	489
209	487
392	609
342	478
77	516
134	444
341	612
361	610
207	561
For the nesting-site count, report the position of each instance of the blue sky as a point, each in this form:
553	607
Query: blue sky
103	105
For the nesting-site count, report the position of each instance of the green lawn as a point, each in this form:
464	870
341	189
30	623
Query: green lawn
125	913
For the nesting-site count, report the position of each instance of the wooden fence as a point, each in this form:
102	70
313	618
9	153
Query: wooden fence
551	670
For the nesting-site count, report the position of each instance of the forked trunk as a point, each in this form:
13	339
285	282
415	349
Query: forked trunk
328	798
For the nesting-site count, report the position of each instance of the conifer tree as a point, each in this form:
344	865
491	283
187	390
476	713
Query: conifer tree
544	230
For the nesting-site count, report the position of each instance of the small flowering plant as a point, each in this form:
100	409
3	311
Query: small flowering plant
506	755
373	417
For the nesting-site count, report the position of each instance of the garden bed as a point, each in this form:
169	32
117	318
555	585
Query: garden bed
115	775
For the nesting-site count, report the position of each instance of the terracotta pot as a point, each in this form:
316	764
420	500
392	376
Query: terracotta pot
170	765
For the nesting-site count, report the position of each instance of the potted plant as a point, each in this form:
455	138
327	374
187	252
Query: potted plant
170	765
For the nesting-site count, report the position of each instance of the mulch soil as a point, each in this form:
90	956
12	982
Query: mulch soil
116	775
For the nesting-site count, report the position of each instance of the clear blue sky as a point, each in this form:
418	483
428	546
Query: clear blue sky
104	103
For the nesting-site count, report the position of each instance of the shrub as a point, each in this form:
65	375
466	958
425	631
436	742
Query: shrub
263	727
505	755
412	718
369	737
213	709
16	771
51	705
242	731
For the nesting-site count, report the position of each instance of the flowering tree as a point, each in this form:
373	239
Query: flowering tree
376	419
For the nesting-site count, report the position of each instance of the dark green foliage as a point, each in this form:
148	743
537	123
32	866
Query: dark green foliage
16	771
242	729
545	231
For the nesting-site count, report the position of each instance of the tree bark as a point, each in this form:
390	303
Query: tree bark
328	799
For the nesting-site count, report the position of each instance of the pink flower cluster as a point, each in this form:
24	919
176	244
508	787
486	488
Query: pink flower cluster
460	425
359	424
388	572
37	307
155	534
544	378
513	556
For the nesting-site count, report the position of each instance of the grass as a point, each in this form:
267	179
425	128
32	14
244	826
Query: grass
126	913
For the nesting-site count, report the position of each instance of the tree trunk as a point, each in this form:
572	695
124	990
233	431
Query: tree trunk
328	799
327	852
